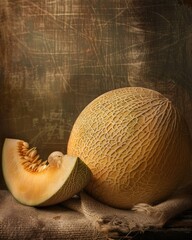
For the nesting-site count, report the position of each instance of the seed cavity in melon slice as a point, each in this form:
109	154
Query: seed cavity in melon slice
35	182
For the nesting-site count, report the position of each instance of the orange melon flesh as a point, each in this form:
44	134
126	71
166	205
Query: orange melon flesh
50	186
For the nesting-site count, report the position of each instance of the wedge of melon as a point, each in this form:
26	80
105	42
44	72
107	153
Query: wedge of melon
40	183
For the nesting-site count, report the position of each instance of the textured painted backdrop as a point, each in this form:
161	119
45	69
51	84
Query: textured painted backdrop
58	55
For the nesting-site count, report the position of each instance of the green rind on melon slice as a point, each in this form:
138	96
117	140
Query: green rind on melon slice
42	188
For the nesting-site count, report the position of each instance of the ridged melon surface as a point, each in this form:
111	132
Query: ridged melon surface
40	183
135	143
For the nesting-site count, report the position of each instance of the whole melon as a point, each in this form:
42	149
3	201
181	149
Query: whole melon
136	144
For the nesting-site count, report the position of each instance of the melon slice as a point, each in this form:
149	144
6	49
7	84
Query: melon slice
35	182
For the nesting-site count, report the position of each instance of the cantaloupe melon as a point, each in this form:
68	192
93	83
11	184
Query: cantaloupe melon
40	183
136	144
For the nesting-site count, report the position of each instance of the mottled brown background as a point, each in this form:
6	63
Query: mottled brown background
58	55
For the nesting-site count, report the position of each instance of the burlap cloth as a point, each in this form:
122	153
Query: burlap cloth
57	222
19	222
77	218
